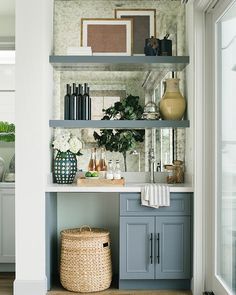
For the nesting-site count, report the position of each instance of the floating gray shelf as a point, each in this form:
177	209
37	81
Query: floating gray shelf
118	63
116	124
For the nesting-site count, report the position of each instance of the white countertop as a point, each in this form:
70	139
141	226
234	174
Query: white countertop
128	188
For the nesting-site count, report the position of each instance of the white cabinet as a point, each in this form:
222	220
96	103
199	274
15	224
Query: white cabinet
7	225
7	93
7	74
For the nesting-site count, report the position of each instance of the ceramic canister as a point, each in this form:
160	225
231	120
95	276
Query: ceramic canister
172	104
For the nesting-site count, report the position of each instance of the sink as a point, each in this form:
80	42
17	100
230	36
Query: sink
141	183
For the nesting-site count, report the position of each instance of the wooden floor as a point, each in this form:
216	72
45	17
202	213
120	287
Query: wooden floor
124	292
6	287
6	283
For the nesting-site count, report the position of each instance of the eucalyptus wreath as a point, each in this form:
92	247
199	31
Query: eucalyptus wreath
121	140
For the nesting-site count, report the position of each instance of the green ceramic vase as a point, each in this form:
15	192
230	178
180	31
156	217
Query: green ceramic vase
65	167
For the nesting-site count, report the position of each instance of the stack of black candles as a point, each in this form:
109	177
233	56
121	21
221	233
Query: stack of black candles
77	105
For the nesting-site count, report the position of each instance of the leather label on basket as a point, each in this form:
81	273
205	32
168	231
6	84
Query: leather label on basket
105	245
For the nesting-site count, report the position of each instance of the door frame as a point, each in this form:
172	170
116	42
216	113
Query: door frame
198	76
195	77
200	81
212	281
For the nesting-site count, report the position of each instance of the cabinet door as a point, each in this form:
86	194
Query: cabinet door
173	247
7	226
136	247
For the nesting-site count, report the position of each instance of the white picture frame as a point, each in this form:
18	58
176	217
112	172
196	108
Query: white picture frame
94	31
139	26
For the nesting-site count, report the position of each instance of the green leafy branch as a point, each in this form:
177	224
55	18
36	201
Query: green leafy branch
121	140
7	132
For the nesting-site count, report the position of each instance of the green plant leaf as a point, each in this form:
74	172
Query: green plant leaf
121	140
7	132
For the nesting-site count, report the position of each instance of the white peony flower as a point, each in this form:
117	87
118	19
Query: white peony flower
56	144
61	145
75	144
64	146
64	142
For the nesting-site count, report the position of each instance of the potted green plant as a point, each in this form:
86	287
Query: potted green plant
121	140
7	134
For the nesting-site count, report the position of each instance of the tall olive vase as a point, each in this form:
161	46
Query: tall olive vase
65	167
172	104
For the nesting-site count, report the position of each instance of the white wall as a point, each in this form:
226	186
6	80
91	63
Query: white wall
33	109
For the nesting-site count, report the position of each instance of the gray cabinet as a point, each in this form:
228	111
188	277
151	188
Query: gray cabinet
172	247
136	248
155	244
7	226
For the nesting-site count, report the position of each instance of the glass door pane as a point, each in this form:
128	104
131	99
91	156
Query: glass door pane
226	154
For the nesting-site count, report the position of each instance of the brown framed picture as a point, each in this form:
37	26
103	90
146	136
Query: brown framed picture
144	26
107	36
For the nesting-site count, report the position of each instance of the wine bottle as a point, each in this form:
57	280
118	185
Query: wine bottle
89	106
67	102
102	161
73	103
92	161
85	103
79	103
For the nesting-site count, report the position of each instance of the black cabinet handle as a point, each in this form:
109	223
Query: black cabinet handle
158	248
151	256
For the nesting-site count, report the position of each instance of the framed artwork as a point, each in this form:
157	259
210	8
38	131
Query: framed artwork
144	26
107	36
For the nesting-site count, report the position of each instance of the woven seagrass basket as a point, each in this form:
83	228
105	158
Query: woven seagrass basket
85	259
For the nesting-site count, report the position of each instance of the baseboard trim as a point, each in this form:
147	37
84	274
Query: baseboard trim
7	267
154	284
23	287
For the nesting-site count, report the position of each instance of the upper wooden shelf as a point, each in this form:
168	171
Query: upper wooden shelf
118	63
116	124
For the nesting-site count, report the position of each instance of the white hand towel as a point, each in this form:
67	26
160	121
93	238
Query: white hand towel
155	195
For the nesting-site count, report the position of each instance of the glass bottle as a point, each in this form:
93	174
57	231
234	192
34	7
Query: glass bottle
92	161
79	103
117	171
170	169
109	174
179	171
86	104
67	102
102	161
73	103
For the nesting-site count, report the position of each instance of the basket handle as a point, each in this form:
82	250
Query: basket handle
85	226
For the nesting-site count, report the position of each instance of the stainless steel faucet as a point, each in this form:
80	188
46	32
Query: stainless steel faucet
151	157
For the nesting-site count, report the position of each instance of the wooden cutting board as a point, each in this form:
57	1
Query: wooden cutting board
82	181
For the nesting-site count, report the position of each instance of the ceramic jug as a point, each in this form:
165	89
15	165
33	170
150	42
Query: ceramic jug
172	104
